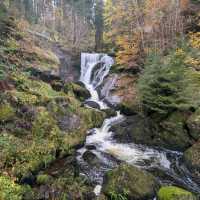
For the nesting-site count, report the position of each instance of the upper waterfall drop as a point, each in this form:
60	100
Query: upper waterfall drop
93	75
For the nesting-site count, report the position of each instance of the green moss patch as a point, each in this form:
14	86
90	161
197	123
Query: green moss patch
6	112
174	193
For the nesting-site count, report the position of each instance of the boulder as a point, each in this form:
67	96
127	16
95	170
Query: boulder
169	133
193	124
91	159
133	129
192	160
92	104
130	182
127	109
174	193
80	92
173	133
110	112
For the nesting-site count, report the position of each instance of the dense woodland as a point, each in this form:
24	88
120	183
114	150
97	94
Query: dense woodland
43	120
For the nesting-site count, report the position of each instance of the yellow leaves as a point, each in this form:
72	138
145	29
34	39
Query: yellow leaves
128	54
179	52
192	62
194	39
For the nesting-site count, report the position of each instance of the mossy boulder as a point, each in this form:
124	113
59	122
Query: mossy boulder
7	112
192	159
170	133
9	190
127	108
193	124
130	182
174	193
80	92
173	132
110	112
43	179
91	159
133	129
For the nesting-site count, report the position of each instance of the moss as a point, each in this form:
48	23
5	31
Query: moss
43	179
23	98
6	112
173	133
38	88
80	92
43	124
9	190
129	182
174	193
193	124
192	159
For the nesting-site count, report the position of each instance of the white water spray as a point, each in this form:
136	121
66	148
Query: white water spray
94	68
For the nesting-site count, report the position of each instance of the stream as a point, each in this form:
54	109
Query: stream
166	165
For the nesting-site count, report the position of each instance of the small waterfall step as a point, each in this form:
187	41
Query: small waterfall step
94	68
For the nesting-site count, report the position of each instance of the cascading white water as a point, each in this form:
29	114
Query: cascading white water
92	77
101	138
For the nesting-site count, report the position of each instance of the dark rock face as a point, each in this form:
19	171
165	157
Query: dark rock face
130	182
68	64
133	129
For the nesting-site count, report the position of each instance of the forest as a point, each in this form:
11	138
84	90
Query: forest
99	99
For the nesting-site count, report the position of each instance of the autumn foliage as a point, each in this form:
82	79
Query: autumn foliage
150	25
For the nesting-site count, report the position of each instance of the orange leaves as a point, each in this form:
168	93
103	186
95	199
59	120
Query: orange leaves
129	54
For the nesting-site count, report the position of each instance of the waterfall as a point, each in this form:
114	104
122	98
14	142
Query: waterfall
94	68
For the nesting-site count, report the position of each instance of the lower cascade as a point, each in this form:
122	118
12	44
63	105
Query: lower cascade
109	153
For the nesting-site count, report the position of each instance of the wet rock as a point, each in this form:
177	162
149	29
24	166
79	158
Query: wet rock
92	104
192	160
130	182
168	133
90	147
28	179
80	91
127	109
91	159
133	129
110	112
174	193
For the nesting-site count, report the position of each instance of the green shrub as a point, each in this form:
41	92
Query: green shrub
10	190
6	112
43	179
174	193
168	84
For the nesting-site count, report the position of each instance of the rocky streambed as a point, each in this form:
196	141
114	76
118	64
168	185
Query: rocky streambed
121	158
